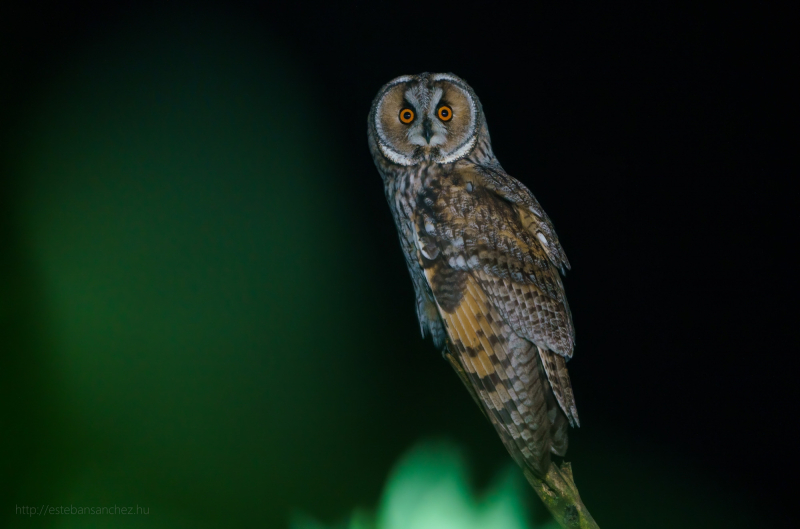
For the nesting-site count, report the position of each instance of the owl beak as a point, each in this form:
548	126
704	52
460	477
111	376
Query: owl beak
427	131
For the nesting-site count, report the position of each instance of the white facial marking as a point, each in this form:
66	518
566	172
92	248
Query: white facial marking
383	144
424	102
415	136
401	79
467	146
439	130
435	98
414	133
460	152
412	98
395	156
445	77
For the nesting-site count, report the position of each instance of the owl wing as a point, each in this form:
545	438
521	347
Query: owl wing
487	222
505	375
532	215
541	315
503	306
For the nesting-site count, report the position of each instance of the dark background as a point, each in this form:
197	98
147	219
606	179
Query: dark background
655	138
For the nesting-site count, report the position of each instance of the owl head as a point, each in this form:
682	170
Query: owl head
433	118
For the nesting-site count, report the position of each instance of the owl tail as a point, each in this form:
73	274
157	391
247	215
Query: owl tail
558	492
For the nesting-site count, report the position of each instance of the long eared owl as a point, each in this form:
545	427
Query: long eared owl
484	259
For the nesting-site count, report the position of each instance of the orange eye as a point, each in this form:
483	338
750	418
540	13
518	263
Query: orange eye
445	113
406	115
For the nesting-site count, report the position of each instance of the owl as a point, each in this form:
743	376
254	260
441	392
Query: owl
485	262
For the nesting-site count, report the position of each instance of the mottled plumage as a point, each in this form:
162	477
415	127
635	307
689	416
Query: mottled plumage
484	259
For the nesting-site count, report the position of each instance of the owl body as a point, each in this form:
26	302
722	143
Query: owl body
484	260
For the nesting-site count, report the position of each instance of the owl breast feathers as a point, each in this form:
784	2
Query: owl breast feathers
484	259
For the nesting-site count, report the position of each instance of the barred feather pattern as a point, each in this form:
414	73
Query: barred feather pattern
501	300
507	374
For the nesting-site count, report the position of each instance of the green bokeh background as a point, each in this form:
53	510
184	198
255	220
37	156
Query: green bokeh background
199	317
194	322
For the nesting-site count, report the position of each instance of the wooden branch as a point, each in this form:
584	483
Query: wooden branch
560	495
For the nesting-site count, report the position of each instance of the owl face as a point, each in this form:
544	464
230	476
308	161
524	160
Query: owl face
425	118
